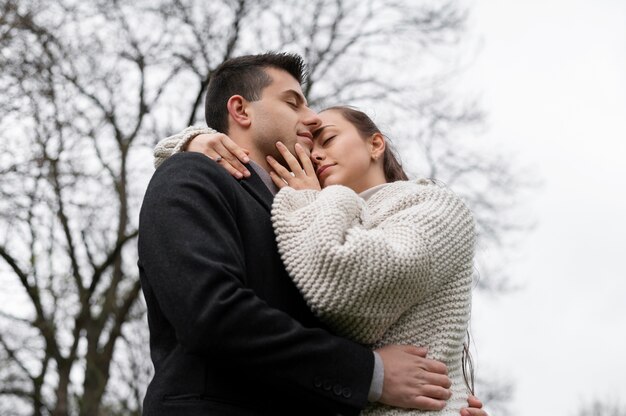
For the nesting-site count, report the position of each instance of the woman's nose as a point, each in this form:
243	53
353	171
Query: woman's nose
316	154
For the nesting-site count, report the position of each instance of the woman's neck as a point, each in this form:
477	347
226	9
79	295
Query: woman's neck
373	178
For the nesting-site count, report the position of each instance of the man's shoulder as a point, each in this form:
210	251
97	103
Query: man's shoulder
192	167
187	161
192	176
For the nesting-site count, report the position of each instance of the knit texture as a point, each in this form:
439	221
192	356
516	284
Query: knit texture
396	269
175	144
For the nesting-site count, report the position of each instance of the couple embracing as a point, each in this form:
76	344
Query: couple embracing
304	275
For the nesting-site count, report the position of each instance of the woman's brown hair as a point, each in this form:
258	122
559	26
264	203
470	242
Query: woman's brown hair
367	128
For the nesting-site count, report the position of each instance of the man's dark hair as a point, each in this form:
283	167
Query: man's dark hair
245	76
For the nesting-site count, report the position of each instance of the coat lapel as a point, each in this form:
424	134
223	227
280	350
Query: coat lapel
255	187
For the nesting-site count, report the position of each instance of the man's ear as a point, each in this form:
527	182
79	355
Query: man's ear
377	146
238	109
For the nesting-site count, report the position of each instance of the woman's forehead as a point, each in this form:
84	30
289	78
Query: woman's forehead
322	129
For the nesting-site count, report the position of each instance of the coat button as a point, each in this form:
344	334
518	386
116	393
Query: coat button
327	385
317	382
347	393
337	389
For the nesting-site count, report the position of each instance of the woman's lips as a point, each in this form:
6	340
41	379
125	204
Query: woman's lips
323	169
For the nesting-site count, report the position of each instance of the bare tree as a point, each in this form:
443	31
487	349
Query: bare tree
496	393
598	407
89	87
445	132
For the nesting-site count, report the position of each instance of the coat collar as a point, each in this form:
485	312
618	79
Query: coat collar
257	188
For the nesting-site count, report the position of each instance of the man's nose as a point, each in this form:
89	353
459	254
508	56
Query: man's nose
312	120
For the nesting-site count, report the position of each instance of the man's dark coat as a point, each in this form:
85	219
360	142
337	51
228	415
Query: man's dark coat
229	332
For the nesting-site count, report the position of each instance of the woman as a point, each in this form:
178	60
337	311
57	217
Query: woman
382	260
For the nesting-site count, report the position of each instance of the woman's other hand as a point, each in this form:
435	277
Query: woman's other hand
223	150
302	175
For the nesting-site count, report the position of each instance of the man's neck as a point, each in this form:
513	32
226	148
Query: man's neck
259	158
242	139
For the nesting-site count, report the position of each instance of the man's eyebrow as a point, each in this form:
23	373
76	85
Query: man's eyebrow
295	94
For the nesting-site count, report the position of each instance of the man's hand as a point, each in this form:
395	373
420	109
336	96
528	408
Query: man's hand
412	380
475	409
223	150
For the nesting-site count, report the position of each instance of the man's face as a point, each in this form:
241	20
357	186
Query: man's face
282	114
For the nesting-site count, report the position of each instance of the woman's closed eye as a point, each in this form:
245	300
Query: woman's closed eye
327	140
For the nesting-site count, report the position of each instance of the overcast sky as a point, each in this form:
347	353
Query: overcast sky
553	78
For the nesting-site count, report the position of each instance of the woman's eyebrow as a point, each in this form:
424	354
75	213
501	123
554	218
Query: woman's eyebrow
319	131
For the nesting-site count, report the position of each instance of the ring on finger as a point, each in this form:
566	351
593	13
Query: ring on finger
218	159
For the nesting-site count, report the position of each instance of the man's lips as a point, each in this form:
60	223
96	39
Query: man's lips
306	137
323	168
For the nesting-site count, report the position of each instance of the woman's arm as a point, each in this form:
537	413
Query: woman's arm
360	278
209	142
177	143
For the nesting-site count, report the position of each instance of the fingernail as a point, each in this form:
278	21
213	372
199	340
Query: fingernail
246	159
246	173
280	144
238	175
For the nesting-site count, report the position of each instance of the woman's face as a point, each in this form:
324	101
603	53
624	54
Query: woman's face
341	156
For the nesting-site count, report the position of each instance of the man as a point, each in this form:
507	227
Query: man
230	334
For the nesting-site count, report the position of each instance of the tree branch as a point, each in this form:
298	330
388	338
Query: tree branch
97	274
120	316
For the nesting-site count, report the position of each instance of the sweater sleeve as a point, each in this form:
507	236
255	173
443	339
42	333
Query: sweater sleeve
175	143
359	278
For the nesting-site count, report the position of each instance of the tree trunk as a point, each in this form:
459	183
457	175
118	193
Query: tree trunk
62	393
96	376
95	383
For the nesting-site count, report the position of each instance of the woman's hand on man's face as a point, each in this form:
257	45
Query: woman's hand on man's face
223	150
302	175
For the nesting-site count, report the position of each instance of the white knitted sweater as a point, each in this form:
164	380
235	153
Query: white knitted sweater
396	269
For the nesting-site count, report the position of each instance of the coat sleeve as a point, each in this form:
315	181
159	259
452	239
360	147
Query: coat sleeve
174	144
358	278
190	249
